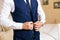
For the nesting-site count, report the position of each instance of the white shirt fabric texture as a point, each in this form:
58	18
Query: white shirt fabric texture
10	7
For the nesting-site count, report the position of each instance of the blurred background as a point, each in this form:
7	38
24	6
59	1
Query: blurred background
50	31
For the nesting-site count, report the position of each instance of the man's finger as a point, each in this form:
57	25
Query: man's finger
31	28
36	29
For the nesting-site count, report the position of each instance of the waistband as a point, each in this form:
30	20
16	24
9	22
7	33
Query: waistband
22	30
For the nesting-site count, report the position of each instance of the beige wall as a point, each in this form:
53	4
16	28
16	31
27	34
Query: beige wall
1	3
52	15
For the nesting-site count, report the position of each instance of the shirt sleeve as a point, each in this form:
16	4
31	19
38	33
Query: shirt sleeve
4	20
41	12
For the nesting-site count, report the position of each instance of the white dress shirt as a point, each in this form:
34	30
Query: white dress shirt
10	7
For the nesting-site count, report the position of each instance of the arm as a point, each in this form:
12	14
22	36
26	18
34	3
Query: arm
39	24
4	20
41	12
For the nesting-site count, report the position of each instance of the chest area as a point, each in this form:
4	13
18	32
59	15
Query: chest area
22	4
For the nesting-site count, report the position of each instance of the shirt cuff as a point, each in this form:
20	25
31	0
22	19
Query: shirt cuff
43	21
18	25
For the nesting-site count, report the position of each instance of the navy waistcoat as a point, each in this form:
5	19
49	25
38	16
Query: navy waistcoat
23	13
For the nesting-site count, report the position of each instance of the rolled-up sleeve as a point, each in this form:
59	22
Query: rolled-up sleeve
8	7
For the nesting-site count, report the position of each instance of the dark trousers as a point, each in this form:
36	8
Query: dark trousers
26	35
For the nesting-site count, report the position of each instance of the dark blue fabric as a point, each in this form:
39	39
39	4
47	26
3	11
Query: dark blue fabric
26	35
23	13
23	35
37	35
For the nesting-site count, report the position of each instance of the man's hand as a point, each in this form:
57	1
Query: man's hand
28	25
38	25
